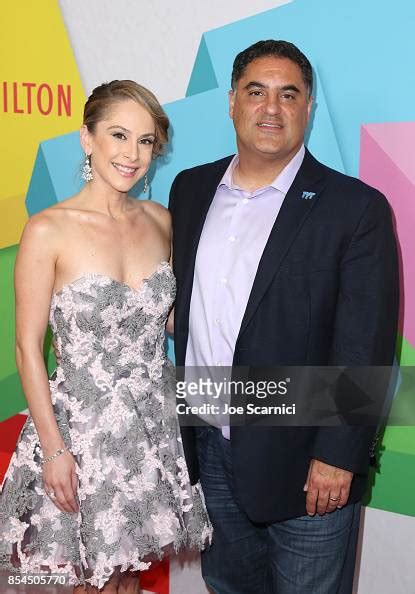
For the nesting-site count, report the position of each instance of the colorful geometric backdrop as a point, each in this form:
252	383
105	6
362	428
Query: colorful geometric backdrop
363	124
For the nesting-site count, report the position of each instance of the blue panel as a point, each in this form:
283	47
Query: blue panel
64	158
191	141
203	75
41	192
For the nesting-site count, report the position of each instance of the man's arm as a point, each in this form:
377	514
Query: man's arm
172	194
364	334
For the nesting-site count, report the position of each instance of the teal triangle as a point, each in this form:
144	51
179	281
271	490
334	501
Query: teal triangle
203	77
41	192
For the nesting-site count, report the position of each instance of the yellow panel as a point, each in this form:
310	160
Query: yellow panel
13	216
34	48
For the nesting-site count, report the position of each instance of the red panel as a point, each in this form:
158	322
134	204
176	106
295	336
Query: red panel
9	432
156	579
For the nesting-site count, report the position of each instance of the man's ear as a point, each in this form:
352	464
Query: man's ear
231	97
310	107
85	138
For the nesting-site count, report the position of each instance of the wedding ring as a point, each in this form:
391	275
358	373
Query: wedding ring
334	498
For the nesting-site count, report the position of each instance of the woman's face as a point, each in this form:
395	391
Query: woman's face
121	145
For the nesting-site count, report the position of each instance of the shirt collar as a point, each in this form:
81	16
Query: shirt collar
282	182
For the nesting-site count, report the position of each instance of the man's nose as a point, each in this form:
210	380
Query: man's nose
272	104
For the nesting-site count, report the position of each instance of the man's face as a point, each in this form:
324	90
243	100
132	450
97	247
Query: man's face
270	109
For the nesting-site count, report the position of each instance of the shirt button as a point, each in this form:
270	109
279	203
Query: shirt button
223	280
232	238
245	201
217	321
220	363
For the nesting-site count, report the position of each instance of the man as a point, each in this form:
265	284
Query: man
280	261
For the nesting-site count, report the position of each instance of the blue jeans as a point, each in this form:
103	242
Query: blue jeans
303	555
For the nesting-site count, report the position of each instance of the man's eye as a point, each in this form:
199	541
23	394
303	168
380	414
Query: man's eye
119	135
288	96
256	93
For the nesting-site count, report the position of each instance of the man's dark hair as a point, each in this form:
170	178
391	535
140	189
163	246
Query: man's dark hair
278	49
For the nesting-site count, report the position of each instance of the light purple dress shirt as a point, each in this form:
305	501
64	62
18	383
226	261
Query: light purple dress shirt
233	239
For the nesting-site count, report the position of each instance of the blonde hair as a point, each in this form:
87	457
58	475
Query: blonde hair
107	94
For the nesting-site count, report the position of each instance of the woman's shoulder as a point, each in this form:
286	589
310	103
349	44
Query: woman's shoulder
41	223
49	221
157	211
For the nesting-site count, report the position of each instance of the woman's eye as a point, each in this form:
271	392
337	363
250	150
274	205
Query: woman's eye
147	141
119	135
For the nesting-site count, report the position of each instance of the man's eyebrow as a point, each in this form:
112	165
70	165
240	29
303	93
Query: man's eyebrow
290	88
259	85
254	83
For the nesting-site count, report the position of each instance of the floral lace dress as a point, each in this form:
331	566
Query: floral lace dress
114	399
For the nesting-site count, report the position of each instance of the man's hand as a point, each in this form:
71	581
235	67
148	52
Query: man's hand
327	487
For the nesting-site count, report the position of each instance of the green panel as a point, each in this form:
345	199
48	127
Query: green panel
7	359
402	411
392	488
406	352
12	400
49	355
400	439
394	485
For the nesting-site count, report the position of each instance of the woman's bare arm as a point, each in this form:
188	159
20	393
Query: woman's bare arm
34	281
170	323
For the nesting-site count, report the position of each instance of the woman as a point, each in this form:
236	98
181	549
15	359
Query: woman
98	486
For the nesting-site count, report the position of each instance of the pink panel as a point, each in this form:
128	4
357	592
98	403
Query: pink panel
397	140
383	167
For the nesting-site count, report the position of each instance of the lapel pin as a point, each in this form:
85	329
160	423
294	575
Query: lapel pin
308	195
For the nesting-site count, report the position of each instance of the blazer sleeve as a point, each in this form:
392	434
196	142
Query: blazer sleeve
173	193
365	325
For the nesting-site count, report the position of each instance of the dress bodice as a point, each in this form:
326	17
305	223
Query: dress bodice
106	332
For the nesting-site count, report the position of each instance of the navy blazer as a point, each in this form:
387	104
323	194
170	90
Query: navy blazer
325	293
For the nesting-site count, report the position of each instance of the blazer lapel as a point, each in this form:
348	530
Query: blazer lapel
297	205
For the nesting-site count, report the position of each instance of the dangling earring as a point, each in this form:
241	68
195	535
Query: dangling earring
87	169
145	183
